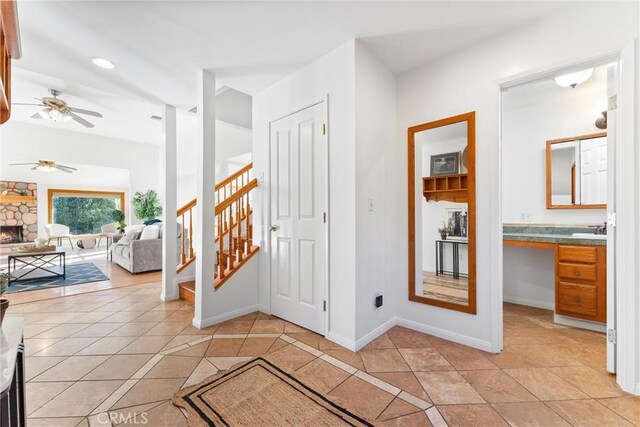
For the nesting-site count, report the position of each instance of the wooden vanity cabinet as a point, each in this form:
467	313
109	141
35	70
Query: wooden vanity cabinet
581	282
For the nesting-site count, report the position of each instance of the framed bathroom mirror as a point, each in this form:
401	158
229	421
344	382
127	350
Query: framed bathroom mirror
442	213
577	172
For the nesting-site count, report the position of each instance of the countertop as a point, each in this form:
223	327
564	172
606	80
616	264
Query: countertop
543	233
10	339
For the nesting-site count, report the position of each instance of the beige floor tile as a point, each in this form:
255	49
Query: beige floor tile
122	317
174	367
471	415
446	388
465	358
181	339
224	347
197	350
361	397
419	419
66	347
34	345
40	393
235	327
277	345
545	385
71	369
119	367
107	345
133	414
545	355
310	338
146	344
407	338
31	331
587	413
588	380
406	381
628	407
534	414
225	363
192	330
150	390
204	370
133	329
256	346
56	422
347	356
425	359
164	415
290	358
398	408
84	396
64	330
321	376
34	366
383	360
383	341
268	327
167	328
293	328
180	316
99	330
496	386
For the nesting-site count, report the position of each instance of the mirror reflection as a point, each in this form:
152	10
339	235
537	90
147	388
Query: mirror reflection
443	218
577	172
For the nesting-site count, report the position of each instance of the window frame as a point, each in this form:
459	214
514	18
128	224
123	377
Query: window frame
53	192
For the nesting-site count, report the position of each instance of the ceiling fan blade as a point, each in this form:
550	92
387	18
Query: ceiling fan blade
87	112
35	168
26	103
63	169
36	116
66	167
22	164
80	120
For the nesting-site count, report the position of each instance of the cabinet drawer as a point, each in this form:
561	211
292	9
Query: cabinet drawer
584	254
577	271
578	299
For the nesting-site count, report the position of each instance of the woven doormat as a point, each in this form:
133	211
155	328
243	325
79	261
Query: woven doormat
259	393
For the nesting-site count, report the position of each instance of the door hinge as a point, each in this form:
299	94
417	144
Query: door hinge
324	217
611	219
324	305
324	128
613	103
612	336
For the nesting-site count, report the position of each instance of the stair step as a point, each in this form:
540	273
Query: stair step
188	291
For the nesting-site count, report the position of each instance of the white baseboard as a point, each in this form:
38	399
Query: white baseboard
375	333
169	297
577	323
263	308
529	302
200	324
182	279
447	335
340	340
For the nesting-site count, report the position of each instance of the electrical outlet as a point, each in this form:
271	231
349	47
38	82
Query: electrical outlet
525	217
378	300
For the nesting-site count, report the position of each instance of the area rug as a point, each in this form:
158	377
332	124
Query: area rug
86	272
258	393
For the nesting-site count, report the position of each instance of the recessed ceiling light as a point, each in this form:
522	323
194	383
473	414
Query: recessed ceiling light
103	63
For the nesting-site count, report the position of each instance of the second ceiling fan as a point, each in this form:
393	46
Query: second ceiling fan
56	109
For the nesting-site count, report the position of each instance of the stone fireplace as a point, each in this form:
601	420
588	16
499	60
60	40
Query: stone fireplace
21	213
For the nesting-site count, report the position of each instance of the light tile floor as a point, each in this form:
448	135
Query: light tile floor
115	357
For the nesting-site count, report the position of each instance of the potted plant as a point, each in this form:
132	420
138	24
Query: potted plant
4	302
146	206
118	216
444	231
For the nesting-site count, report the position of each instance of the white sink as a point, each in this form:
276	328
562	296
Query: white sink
590	236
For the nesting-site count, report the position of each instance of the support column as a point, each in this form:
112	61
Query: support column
205	209
169	191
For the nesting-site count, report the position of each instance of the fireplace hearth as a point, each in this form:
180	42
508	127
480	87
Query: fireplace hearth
11	234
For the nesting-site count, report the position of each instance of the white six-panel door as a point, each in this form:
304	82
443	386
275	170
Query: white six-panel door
298	197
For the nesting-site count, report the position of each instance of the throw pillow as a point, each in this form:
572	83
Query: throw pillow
150	232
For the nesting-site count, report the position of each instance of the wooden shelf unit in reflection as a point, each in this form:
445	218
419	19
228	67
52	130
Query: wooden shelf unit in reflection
450	188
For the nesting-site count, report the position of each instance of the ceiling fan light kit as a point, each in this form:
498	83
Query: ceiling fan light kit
57	110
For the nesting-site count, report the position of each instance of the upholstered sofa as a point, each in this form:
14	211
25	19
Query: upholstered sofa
139	255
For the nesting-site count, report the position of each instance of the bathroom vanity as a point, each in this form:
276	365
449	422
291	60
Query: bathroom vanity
580	266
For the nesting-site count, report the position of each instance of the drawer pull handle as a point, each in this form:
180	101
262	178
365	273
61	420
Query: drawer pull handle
577	299
576	272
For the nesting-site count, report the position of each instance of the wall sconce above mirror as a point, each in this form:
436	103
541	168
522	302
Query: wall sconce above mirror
442	245
577	172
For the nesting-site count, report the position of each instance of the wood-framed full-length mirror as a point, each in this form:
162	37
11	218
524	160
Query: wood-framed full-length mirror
442	213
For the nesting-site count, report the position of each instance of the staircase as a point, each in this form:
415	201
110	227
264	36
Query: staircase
233	230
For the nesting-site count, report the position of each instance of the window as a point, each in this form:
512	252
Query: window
84	212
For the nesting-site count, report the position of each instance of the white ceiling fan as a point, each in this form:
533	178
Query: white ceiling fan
46	166
55	109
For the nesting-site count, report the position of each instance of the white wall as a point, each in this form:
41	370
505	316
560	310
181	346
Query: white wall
532	114
469	81
103	163
375	126
332	75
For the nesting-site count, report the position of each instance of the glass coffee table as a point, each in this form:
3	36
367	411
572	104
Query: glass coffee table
36	265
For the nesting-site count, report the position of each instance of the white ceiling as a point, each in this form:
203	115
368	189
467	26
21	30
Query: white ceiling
158	47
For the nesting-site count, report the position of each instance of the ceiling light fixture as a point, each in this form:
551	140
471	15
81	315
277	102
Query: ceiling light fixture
103	63
573	79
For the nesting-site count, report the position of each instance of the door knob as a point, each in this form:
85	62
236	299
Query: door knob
273	227
576	272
